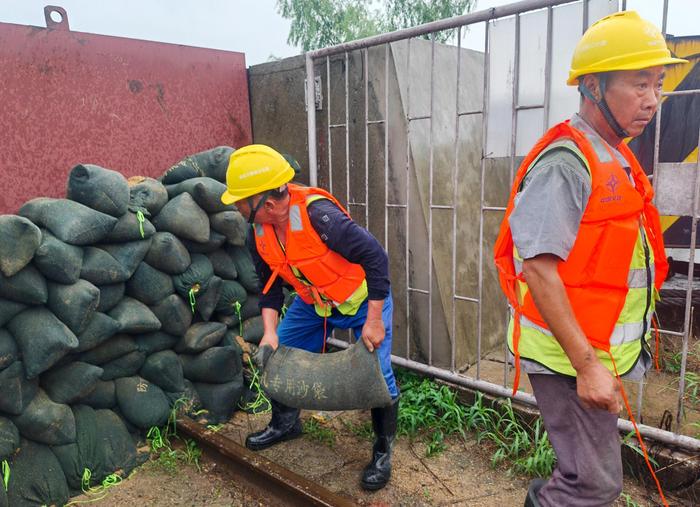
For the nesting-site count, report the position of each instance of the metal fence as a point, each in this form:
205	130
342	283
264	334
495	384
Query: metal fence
509	126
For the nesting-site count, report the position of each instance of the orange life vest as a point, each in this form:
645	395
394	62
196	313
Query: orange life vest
325	278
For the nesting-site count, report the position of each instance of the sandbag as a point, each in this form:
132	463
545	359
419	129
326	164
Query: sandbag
147	193
8	349
346	380
253	329
110	295
9	309
233	297
100	328
186	401
212	163
17	392
118	346
149	285
36	477
250	307
247	276
130	228
207	301
74	304
76	457
134	317
130	254
9	438
46	422
220	400
116	449
214	243
68	220
100	268
165	370
98	188
19	239
200	336
195	278
57	260
223	264
232	225
184	219
174	314
206	192
26	286
124	366
42	339
168	254
70	382
155	342
143	404
103	395
216	365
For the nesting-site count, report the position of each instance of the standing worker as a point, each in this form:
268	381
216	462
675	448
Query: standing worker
304	237
581	258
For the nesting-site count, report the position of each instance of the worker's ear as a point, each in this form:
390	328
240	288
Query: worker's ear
592	82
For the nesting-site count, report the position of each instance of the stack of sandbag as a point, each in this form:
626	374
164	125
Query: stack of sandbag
117	303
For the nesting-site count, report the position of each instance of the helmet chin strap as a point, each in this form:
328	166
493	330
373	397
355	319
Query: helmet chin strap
254	209
603	105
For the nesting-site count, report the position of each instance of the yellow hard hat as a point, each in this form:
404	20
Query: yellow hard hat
254	169
620	41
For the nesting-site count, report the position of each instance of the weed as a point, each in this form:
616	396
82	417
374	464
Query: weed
319	432
629	502
363	430
672	364
630	441
692	387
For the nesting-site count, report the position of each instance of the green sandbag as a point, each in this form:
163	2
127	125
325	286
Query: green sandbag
3	498
233	297
117	346
184	219
222	264
42	339
36	477
98	188
155	342
212	163
143	404
128	228
46	422
70	382
57	260
26	286
19	239
100	328
253	329
115	447
247	276
250	308
196	277
230	321
206	192
165	370
9	438
100	268
17	392
130	254
207	301
168	254
68	220
187	401
74	304
134	317
76	457
200	336
174	314
124	366
8	349
9	309
102	396
232	225
110	295
147	193
215	242
220	400
149	285
346	380
216	365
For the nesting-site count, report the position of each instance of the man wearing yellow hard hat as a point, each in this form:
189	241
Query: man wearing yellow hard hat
303	236
581	258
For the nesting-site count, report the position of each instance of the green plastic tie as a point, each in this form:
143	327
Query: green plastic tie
193	299
237	307
261	404
141	219
5	474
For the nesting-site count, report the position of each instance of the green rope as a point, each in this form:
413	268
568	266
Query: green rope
193	299
215	427
237	307
141	219
261	401
5	474
99	492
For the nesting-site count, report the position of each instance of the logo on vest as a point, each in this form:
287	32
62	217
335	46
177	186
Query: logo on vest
612	184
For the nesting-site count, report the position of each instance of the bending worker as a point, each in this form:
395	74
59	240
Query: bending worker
581	258
304	237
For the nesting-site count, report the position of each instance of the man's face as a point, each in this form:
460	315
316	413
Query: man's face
244	207
633	96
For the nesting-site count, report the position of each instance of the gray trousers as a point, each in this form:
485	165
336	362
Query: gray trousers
586	442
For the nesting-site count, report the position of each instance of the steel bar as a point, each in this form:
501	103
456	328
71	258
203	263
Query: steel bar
514	103
366	83
374	122
431	169
311	119
347	129
338	126
468	113
387	47
465	298
493	208
455	184
442	206
548	70
424	117
408	198
419	291
328	134
530	107
680	92
664	23
393	205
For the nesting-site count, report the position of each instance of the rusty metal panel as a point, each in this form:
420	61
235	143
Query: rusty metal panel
130	105
675	188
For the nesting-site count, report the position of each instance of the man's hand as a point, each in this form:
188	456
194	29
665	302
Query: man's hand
262	355
270	339
597	388
373	333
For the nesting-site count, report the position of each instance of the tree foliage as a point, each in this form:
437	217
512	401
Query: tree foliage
321	23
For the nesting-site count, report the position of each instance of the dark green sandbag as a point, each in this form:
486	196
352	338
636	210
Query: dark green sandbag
124	366
100	328
17	392
68	220
216	365
100	268
129	228
247	276
223	264
9	309
184	219
232	292
250	308
57	260
9	438
147	193
142	403
155	342
46	421
130	254
98	188
110	295
36	477
206	192
74	304
102	396
230	321
42	339
149	285
253	329
220	400
232	225
200	336
134	317
168	254
117	346
3	498
187	401
115	447
76	457
207	301
165	370
174	314
8	349
19	239
26	286
215	242
212	163
196	277
70	382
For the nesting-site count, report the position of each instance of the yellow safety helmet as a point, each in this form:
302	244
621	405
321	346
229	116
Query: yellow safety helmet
620	41
254	169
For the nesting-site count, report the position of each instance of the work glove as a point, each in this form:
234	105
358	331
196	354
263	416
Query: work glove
261	356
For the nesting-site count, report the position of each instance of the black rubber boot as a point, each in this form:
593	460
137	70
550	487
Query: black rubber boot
376	475
531	499
284	425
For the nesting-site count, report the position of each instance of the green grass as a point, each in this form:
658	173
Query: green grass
629	502
319	432
163	453
362	430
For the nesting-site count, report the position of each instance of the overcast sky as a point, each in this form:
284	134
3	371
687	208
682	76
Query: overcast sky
252	27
